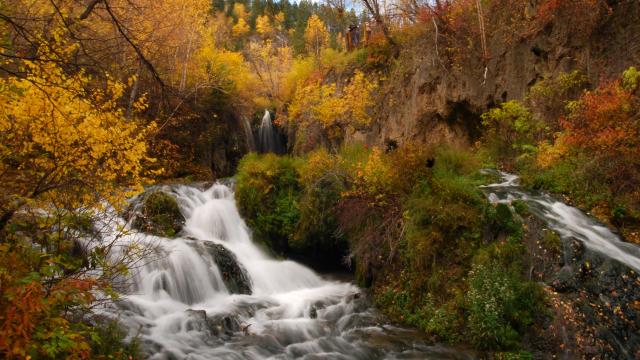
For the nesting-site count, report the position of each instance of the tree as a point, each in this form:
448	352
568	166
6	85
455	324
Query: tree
67	149
263	26
58	137
241	28
374	9
270	64
336	110
240	11
316	35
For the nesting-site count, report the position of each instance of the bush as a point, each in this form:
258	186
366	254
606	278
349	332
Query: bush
594	158
109	342
511	131
415	233
290	202
316	233
159	215
267	192
549	97
501	303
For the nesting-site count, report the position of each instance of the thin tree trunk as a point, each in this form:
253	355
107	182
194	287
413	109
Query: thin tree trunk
374	9
4	220
183	82
134	92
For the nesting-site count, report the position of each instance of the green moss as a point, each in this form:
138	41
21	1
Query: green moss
552	241
515	355
267	193
108	342
159	215
520	207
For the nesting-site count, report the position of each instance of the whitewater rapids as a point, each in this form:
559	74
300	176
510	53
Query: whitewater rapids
180	308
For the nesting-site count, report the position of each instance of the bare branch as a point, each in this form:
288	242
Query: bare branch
92	4
135	47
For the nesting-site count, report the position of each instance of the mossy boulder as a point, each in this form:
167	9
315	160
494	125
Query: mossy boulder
158	213
233	273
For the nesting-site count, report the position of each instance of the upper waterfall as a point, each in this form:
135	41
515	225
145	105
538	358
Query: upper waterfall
269	140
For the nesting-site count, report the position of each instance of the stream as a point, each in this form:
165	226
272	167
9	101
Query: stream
182	305
180	308
569	222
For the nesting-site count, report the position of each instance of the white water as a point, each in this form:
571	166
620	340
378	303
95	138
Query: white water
181	309
268	139
568	221
248	134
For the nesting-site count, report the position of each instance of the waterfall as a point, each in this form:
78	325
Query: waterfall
181	308
248	134
567	221
268	138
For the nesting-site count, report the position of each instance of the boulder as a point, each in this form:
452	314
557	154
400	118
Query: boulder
565	280
233	273
157	213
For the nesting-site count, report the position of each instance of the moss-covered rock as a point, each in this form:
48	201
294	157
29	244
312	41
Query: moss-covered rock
233	273
158	213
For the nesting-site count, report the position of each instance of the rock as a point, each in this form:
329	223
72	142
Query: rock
157	213
223	324
234	275
197	320
220	325
565	279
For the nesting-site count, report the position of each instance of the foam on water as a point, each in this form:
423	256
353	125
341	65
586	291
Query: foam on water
179	306
568	221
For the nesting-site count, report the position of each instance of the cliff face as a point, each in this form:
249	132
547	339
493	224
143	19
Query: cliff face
427	100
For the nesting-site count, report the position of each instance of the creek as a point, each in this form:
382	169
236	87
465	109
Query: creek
182	306
569	222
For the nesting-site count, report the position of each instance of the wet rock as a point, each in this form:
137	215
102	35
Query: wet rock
233	273
565	279
313	313
223	325
575	250
197	320
157	213
219	325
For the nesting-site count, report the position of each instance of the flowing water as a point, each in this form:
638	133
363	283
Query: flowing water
567	221
268	138
180	307
248	134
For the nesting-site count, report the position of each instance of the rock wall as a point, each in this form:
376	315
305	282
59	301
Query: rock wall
429	101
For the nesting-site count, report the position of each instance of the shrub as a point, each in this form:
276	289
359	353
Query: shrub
267	192
414	231
549	97
630	79
160	215
501	303
316	233
595	157
109	342
511	131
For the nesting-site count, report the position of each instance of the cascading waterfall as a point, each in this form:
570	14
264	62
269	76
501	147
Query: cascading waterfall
569	222
268	138
181	308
